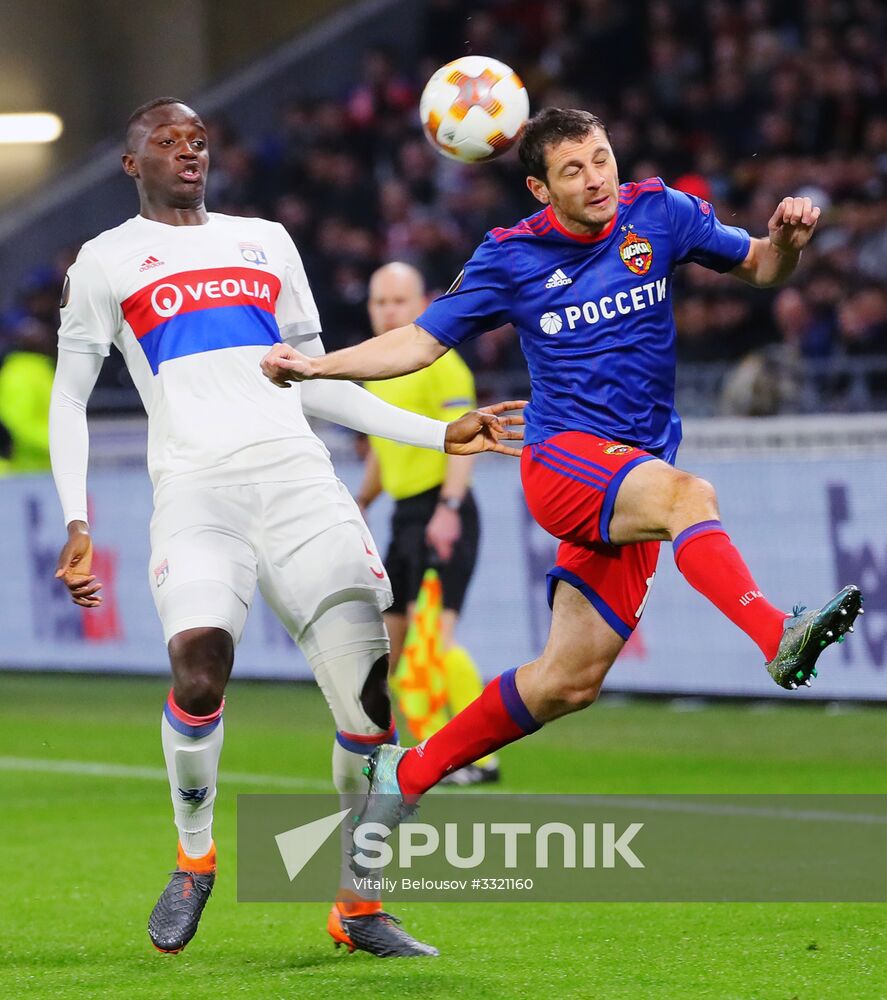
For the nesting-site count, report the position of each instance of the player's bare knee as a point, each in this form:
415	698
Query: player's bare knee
692	499
199	693
570	689
201	661
581	692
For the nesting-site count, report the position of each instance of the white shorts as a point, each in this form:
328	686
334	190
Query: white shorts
305	544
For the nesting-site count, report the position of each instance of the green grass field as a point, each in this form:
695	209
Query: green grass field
84	856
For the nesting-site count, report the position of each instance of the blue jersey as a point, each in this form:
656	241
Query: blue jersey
593	313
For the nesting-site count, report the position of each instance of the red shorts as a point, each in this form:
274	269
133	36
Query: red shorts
571	481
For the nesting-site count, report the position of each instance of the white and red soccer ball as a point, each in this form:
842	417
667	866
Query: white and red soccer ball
474	109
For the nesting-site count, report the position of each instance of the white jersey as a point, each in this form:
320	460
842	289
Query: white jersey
193	309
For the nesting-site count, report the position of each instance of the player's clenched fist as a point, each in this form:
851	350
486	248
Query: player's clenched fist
283	364
792	224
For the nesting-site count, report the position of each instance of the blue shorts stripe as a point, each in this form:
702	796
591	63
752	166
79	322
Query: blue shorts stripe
578	458
570	475
612	491
594	599
601	479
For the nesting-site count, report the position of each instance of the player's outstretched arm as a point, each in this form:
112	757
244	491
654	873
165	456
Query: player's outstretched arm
485	430
398	352
75	376
773	259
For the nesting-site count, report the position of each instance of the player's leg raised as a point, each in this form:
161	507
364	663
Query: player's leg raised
658	501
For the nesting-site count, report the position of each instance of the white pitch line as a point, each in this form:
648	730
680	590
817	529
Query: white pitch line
95	769
647	803
669	803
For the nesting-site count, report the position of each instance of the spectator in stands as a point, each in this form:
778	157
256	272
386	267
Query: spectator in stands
803	331
862	321
736	102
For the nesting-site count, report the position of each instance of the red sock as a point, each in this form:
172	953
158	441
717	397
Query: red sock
498	717
712	564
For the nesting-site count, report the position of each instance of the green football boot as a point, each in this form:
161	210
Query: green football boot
806	635
385	802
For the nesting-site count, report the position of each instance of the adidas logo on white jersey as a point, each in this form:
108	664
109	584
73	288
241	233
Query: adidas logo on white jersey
150	262
558	279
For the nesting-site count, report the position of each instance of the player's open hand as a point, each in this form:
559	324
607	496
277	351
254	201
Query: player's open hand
75	562
485	430
283	364
792	224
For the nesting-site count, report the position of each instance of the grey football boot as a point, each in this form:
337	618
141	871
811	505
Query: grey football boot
378	933
177	913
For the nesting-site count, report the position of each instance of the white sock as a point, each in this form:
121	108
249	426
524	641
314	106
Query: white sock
192	748
351	784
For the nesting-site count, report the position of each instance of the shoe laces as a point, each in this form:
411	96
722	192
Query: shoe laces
188	883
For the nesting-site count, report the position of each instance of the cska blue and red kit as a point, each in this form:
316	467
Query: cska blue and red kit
595	322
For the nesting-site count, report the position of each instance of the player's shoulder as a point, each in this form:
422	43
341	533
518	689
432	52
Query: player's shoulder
107	243
646	190
247	224
530	228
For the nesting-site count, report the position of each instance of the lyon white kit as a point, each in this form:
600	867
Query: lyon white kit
244	489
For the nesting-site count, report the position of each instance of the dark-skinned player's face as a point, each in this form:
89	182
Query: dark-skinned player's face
169	156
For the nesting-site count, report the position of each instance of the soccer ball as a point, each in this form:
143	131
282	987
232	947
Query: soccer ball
473	109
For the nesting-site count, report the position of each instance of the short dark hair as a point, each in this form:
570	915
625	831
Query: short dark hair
549	127
142	110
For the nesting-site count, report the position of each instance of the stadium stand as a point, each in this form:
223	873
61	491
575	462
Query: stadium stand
738	102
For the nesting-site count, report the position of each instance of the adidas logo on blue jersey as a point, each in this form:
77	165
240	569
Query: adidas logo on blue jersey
558	279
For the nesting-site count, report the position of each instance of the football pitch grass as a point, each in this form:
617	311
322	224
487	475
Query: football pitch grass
87	841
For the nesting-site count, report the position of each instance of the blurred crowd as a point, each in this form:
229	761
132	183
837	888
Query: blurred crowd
739	101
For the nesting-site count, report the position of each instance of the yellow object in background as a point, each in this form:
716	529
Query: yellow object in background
419	682
464	685
25	387
443	391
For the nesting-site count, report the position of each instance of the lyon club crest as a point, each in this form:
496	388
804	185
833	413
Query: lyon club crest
636	252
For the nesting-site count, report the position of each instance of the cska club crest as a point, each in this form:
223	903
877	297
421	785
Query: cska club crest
636	252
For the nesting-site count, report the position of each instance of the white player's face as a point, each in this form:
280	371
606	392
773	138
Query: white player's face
395	300
582	182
